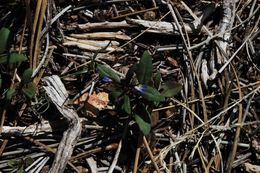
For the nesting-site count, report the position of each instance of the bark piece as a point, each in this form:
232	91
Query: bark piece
44	126
160	26
58	95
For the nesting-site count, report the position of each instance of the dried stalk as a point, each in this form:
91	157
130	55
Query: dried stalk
151	154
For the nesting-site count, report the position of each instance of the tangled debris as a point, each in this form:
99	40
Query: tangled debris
129	86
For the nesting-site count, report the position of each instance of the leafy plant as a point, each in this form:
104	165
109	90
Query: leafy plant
11	60
4	37
105	71
140	91
20	164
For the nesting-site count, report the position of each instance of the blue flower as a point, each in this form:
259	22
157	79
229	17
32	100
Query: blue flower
141	88
106	79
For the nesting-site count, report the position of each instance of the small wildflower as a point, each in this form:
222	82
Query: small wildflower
106	79
141	88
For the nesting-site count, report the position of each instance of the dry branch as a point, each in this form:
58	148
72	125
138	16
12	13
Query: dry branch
102	35
160	26
58	95
210	47
105	25
92	45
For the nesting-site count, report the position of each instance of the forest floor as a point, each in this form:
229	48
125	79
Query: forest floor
129	86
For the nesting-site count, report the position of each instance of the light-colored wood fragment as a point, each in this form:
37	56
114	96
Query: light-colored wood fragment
58	95
32	129
159	26
104	25
89	47
36	129
102	35
250	168
101	56
92	45
97	43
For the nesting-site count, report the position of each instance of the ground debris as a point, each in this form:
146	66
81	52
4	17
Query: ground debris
81	82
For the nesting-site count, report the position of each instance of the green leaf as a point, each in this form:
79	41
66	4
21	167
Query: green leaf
170	89
79	72
114	95
28	161
12	163
157	79
144	68
106	71
144	126
4	37
126	105
27	76
142	119
1	81
9	94
30	89
3	59
17	57
13	58
149	93
20	170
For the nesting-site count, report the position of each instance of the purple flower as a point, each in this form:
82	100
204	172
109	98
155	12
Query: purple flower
141	88
106	79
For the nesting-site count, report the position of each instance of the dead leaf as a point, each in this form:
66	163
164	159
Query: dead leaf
81	99
172	61
99	100
154	118
258	81
93	103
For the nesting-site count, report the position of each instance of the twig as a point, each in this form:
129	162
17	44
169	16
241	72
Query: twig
58	94
94	150
234	54
232	154
38	167
134	13
105	25
40	65
137	155
55	19
48	149
193	113
151	154
112	167
36	17
37	47
204	108
92	165
130	41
